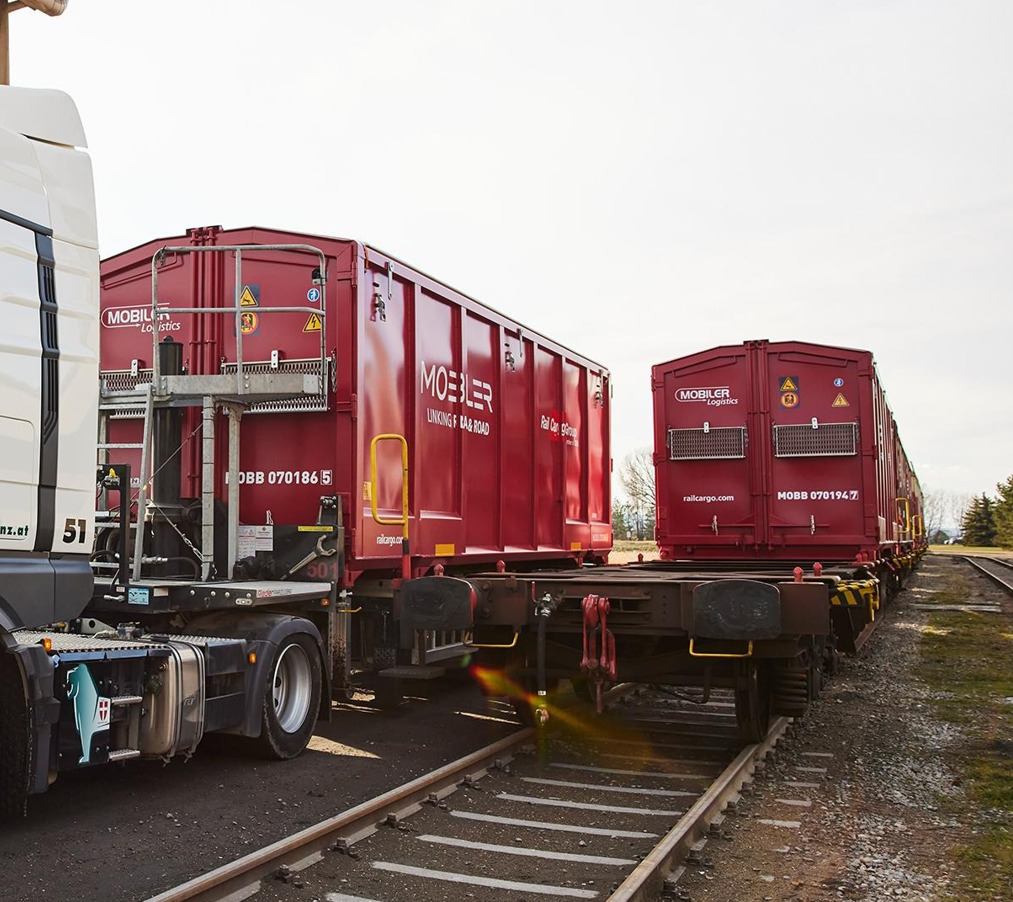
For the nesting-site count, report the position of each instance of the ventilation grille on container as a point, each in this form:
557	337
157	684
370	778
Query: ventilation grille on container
715	443
822	440
124	380
309	367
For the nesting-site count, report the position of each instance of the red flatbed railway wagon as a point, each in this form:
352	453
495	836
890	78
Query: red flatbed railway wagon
442	422
787	512
784	452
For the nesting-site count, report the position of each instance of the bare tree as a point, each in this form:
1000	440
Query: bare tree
944	509
934	511
637	478
957	507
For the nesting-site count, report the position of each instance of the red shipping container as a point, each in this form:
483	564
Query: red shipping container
507	431
783	451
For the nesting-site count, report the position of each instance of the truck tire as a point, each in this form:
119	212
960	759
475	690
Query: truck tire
291	698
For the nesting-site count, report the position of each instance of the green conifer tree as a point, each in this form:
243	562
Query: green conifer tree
1002	513
979	523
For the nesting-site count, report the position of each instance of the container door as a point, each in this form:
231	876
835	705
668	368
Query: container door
382	399
438	457
816	463
598	462
518	440
573	436
550	448
705	475
479	433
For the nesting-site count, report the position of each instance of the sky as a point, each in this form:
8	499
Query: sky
639	180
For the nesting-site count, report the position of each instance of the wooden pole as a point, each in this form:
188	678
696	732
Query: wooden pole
5	44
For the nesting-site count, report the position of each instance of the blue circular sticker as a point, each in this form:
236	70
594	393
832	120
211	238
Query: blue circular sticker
838	382
313	295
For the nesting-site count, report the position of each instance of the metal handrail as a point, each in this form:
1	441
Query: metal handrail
904	510
373	481
321	311
374	491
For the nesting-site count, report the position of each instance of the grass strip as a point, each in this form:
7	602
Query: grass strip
967	659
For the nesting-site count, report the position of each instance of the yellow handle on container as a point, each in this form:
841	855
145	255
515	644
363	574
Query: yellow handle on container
374	489
708	654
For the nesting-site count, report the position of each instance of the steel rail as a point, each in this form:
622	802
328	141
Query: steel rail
646	879
998	580
241	878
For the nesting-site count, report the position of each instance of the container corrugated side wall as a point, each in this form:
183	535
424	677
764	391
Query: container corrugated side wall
507	434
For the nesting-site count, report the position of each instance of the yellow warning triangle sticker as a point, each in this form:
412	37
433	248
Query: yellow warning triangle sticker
312	324
788	385
840	401
246	299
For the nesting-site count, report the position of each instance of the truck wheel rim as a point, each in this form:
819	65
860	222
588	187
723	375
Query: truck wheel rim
292	688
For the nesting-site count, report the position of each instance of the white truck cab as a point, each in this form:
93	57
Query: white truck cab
49	346
247	658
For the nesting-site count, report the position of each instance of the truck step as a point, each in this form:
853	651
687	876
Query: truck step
108	446
413	672
120	701
124	755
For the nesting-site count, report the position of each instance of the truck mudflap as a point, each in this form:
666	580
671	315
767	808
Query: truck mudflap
434	603
736	609
28	711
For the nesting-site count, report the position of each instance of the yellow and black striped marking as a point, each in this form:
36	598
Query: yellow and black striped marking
859	594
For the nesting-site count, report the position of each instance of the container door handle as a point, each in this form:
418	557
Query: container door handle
903	514
402	521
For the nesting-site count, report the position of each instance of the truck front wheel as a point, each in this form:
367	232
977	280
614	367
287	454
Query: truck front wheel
291	697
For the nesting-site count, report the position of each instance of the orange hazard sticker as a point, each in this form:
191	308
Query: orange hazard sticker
312	323
840	401
789	399
249	322
789	383
248	298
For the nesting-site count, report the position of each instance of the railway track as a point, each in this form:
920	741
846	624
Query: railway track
999	571
590	808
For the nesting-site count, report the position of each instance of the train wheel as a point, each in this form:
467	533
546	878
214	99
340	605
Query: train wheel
752	702
291	698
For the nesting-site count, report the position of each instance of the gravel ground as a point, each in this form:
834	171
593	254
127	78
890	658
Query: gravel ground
869	824
126	832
